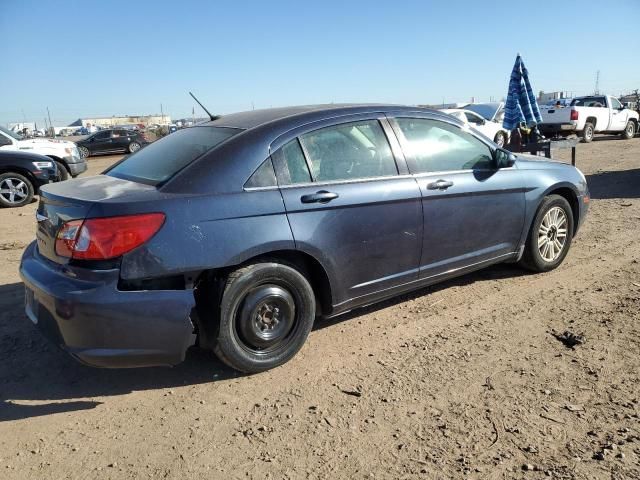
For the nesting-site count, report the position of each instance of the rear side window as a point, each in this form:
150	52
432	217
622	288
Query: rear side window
349	151
435	146
164	158
291	162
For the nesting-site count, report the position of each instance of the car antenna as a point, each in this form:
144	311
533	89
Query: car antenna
212	117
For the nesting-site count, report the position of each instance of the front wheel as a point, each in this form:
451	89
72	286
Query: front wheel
15	190
63	174
266	313
550	236
500	139
84	152
629	131
134	147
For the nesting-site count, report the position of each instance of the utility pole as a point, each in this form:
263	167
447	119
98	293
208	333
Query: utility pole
162	114
53	133
597	90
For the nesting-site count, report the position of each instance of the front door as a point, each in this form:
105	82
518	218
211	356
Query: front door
473	212
348	205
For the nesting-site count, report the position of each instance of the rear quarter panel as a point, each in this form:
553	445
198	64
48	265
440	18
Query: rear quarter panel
205	231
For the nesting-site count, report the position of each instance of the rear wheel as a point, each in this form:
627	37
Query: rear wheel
550	235
629	131
500	139
266	313
15	190
134	147
587	132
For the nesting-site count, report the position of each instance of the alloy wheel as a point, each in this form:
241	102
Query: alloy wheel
13	190
552	234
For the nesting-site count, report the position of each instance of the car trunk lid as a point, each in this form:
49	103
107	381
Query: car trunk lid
74	200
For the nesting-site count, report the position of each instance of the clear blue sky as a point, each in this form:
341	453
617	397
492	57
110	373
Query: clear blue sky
86	58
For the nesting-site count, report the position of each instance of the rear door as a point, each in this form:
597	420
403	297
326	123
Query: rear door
473	212
351	203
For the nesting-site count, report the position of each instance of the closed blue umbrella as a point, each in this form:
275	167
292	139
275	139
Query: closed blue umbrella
521	104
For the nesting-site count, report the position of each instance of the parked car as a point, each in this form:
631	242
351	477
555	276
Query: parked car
488	128
21	176
590	115
112	141
242	230
65	154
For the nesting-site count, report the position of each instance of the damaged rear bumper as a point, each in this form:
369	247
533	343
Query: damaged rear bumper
82	311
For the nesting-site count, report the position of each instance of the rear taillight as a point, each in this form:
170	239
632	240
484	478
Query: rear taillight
105	238
574	114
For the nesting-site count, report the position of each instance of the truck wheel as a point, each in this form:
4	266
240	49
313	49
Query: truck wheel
15	190
500	139
63	174
587	133
550	235
266	313
629	131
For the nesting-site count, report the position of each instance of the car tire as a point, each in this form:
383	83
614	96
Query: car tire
550	235
500	139
629	130
266	313
587	132
134	147
84	152
63	173
16	190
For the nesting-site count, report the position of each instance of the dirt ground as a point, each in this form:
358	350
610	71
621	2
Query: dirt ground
460	380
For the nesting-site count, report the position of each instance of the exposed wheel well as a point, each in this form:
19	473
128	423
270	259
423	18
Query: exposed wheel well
592	121
570	196
209	286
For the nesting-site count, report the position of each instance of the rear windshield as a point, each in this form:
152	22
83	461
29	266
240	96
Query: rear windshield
161	160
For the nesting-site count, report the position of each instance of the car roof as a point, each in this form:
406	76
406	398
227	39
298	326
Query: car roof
303	114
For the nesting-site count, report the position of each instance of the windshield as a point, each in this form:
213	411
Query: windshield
486	110
13	135
164	158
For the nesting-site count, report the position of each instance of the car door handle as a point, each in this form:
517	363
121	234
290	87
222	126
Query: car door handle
439	185
319	197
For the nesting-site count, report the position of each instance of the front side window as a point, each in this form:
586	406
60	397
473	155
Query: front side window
435	146
349	151
615	103
164	158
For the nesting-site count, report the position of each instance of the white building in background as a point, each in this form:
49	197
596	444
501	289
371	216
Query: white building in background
106	122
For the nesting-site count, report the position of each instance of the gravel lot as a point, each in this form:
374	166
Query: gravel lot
460	380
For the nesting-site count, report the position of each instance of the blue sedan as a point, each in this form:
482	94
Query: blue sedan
241	231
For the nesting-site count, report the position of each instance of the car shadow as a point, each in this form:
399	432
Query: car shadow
37	378
614	184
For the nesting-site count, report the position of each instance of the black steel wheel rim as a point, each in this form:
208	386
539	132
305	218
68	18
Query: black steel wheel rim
266	319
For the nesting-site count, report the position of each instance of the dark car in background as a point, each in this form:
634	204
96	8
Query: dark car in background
243	230
119	140
21	176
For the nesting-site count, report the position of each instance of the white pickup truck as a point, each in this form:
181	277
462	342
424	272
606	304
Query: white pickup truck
65	154
589	115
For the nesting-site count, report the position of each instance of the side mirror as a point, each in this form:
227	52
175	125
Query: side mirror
503	158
